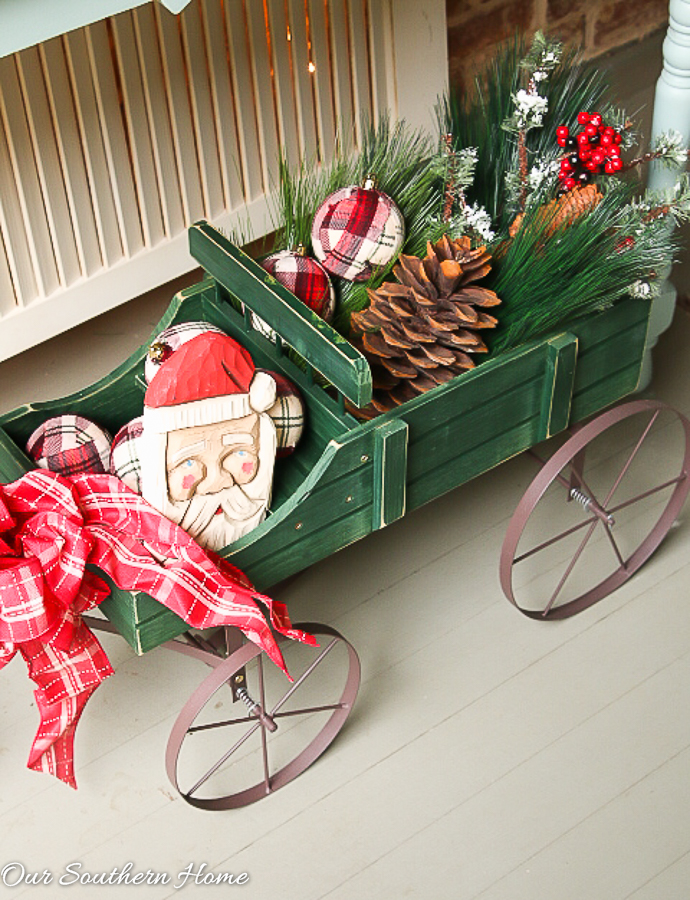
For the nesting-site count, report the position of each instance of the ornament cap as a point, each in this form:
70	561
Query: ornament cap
369	182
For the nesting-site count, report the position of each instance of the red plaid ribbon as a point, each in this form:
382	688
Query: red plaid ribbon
51	527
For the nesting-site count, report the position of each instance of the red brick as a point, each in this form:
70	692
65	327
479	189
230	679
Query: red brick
561	9
622	21
570	31
470	39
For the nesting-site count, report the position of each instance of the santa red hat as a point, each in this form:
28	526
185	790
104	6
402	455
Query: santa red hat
209	379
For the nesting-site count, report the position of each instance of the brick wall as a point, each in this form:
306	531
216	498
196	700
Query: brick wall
475	26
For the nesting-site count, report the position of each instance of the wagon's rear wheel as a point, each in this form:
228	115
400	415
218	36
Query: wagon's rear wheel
247	731
597	510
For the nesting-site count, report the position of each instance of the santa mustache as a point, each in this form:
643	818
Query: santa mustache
200	510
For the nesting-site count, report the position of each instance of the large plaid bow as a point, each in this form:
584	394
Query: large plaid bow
51	526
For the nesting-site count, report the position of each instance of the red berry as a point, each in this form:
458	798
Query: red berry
609	131
596	119
598	157
617	138
606	140
583	138
613	150
617	163
561	141
583	117
562	131
591	166
585	154
591	130
569	184
609	168
566	166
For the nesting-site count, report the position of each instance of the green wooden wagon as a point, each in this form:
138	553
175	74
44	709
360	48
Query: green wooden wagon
348	479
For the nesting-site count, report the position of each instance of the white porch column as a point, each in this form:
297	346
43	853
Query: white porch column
671	111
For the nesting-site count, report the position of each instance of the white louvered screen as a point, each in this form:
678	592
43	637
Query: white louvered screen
117	136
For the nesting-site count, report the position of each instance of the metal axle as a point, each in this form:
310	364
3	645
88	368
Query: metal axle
256	709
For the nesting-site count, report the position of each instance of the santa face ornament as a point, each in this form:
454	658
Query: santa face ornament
208	448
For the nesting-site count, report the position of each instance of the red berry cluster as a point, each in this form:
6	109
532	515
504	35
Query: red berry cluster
595	150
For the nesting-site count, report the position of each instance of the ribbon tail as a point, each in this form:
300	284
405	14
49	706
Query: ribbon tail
65	680
52	751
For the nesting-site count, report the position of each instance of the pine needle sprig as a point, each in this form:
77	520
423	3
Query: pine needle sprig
547	280
475	119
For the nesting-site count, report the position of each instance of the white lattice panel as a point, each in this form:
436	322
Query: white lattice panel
117	136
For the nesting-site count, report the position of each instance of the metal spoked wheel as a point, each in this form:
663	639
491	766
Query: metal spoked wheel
597	510
247	730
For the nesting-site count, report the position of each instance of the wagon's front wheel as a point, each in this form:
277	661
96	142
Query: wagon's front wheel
597	510
247	730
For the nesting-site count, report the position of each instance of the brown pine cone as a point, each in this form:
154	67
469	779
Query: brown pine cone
421	331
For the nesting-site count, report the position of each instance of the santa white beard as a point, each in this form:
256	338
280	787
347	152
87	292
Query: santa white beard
243	506
213	530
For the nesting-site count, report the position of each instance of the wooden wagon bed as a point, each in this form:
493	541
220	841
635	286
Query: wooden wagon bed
348	479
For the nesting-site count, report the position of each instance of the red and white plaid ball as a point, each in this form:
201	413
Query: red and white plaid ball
124	454
287	414
306	278
70	445
170	340
356	229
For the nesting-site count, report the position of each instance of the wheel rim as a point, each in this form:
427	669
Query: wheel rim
639	486
223	755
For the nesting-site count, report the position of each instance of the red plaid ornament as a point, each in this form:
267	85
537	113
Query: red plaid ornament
356	229
287	414
124	454
70	445
306	278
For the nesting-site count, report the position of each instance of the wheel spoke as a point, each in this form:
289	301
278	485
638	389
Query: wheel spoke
632	456
569	569
303	677
619	557
648	493
308	710
559	537
264	739
225	723
224	758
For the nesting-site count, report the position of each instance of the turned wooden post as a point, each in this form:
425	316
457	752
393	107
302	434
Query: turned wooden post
671	111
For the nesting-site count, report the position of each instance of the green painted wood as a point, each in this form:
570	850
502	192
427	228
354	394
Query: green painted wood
13	462
558	385
390	471
611	347
326	350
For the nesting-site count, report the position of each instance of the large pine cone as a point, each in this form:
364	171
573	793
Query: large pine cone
419	333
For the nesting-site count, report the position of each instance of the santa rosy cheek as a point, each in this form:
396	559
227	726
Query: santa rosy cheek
248	468
188	482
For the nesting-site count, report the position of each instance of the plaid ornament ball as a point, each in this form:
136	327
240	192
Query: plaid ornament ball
287	413
70	445
124	454
170	340
306	278
356	229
